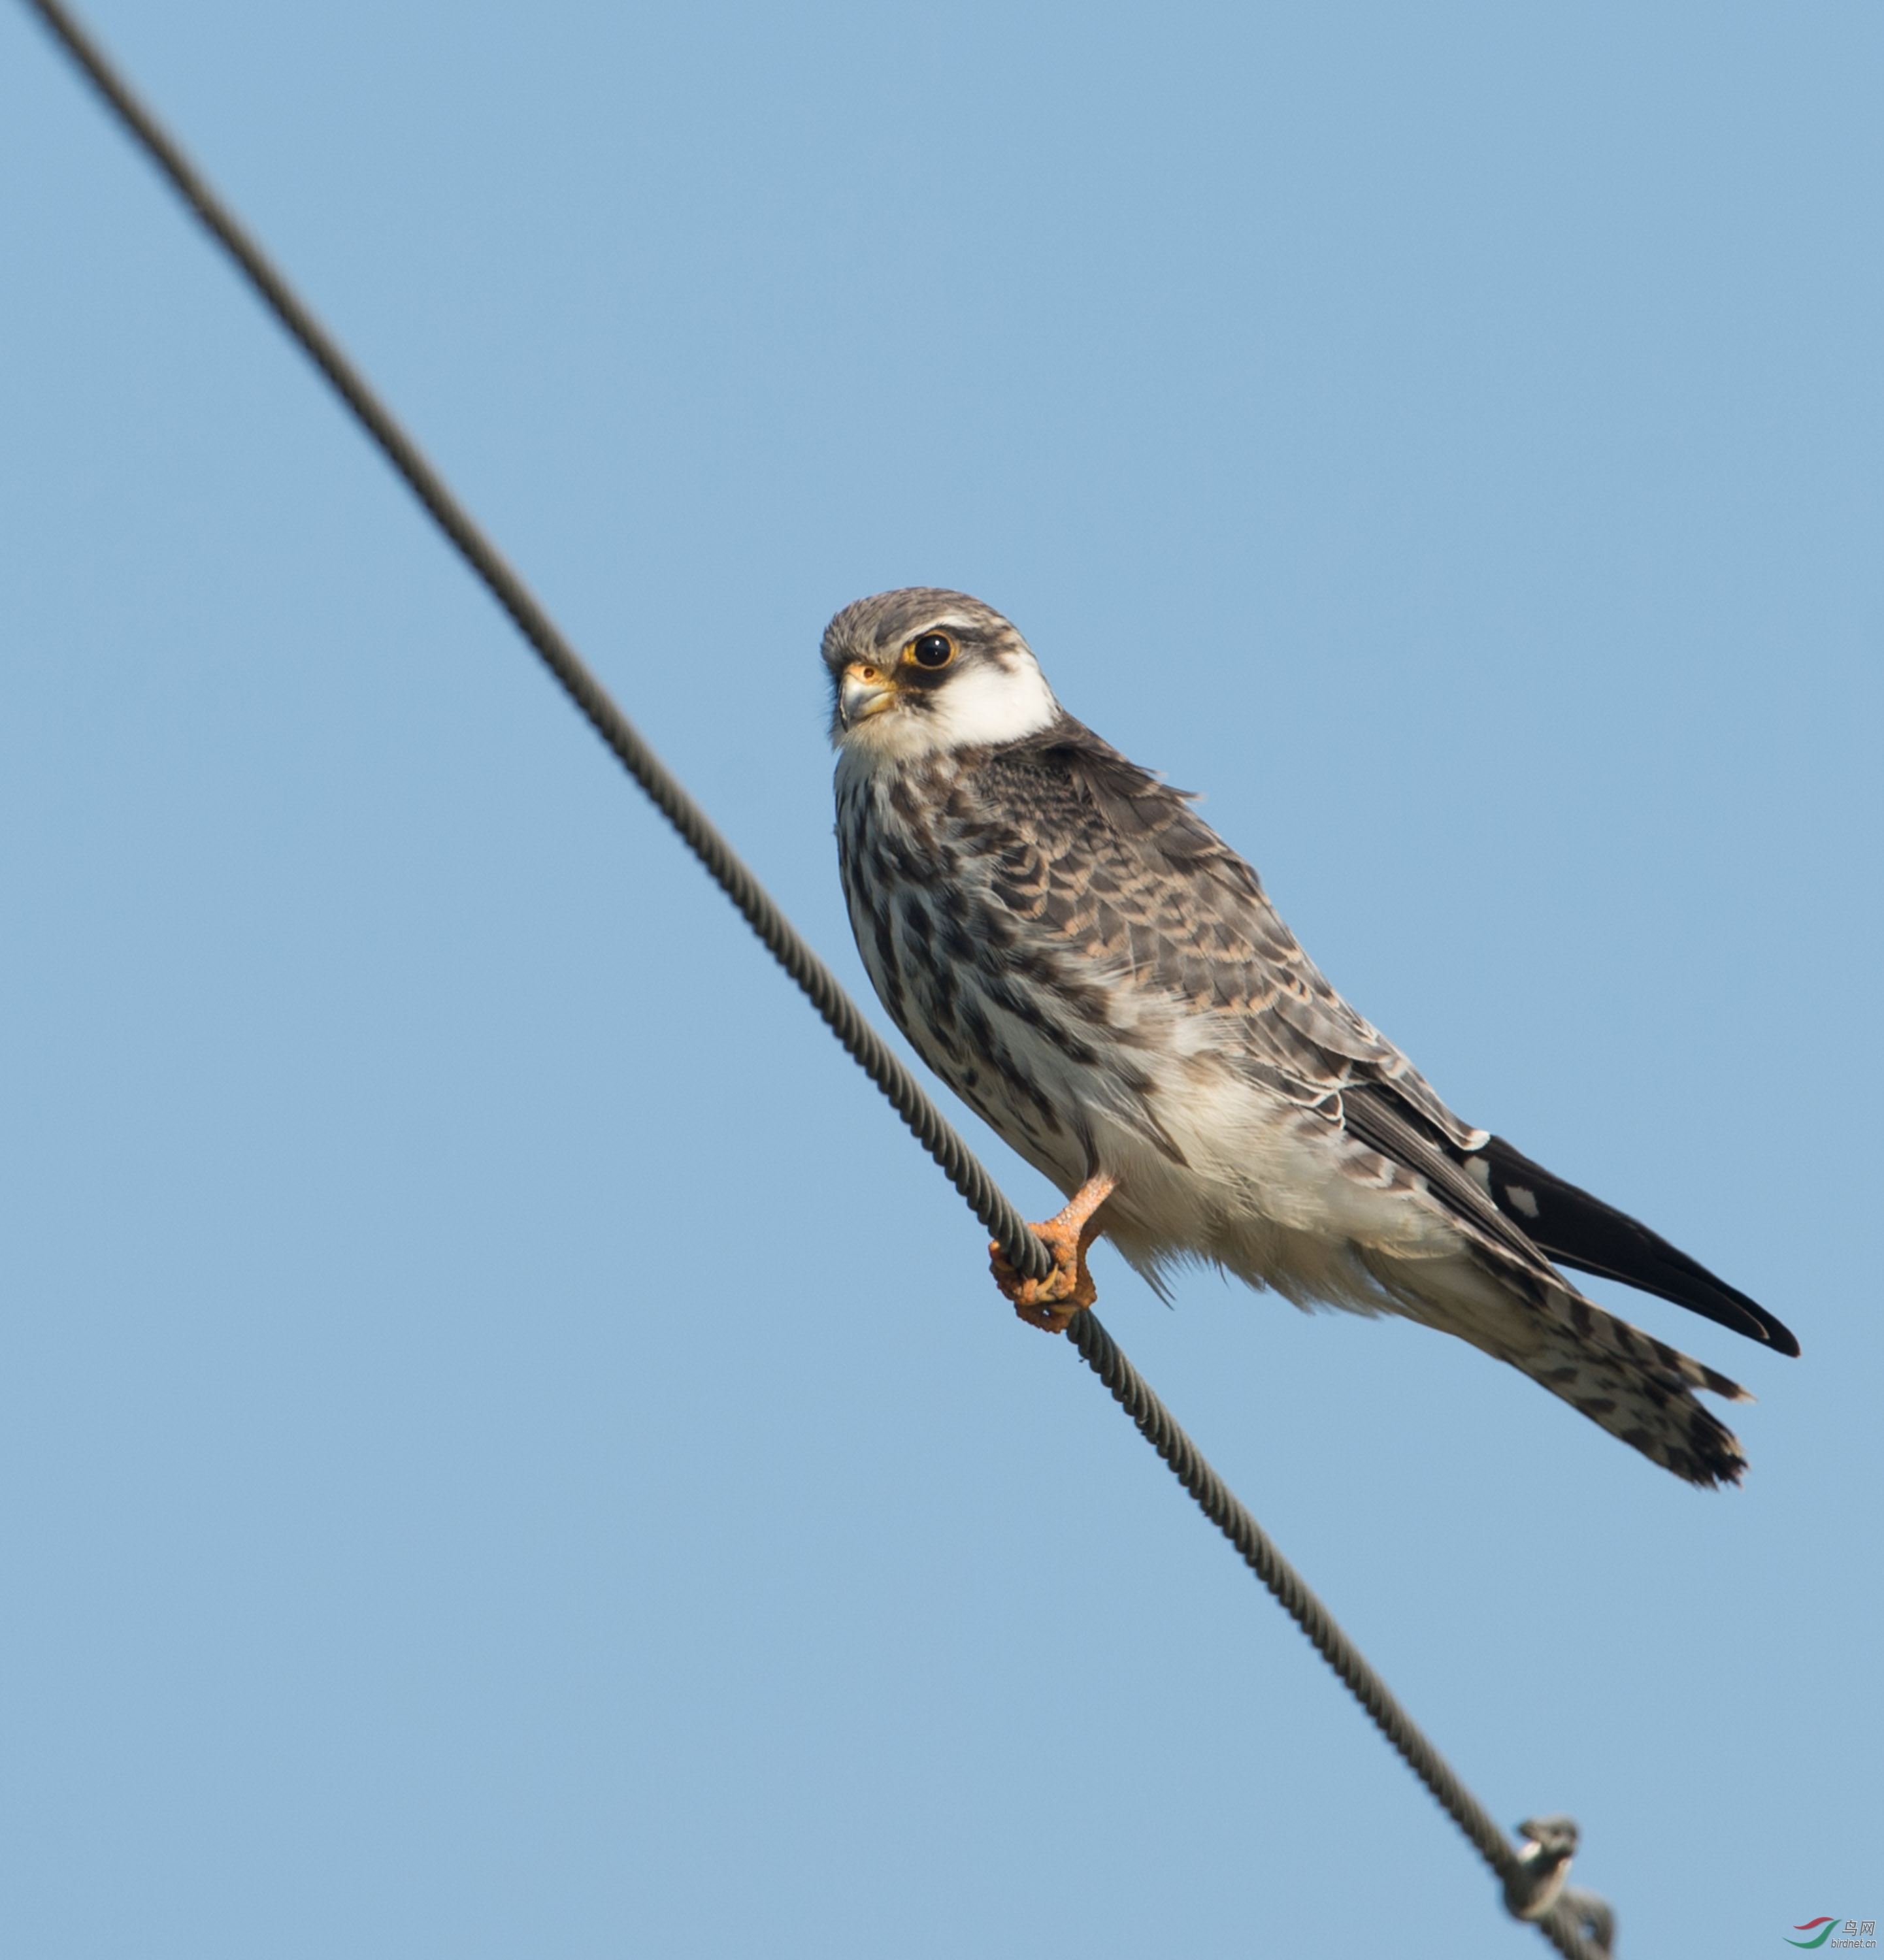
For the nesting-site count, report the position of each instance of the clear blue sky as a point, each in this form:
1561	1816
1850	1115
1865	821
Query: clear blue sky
505	1445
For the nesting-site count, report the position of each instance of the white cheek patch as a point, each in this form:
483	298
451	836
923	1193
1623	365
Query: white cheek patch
984	703
993	703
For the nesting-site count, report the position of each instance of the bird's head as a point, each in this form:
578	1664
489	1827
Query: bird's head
923	670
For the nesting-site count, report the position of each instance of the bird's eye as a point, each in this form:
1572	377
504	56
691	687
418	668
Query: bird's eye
932	650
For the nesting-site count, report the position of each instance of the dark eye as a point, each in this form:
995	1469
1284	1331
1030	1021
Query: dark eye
932	650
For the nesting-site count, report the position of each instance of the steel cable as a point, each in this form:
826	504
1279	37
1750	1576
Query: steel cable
1562	1927
1566	1925
985	1198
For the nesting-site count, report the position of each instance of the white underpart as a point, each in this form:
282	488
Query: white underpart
985	702
1259	1191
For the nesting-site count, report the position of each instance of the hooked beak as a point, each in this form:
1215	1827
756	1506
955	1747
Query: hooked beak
865	690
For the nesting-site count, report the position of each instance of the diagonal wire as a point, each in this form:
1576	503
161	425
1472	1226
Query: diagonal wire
1571	1929
1562	1927
985	1198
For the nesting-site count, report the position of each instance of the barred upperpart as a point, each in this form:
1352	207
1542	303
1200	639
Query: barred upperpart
1098	975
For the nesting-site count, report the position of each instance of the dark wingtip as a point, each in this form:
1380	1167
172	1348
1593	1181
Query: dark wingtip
1780	1338
1576	1230
1695	1288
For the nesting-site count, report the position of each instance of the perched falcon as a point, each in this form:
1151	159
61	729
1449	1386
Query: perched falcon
1089	965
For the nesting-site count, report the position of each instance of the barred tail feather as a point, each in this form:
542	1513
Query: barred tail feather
1639	1389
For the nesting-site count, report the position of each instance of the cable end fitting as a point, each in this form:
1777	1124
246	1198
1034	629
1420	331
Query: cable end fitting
1537	1886
1542	1866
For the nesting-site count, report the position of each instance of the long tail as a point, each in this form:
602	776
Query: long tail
1642	1390
1627	1381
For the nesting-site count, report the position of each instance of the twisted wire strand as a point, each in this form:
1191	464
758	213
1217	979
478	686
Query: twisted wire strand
1564	1925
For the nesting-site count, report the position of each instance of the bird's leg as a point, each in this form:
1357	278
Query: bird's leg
1051	1302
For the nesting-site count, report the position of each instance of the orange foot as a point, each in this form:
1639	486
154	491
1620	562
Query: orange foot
1051	1302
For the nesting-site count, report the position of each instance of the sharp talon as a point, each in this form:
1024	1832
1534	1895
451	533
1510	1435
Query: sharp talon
1050	1303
